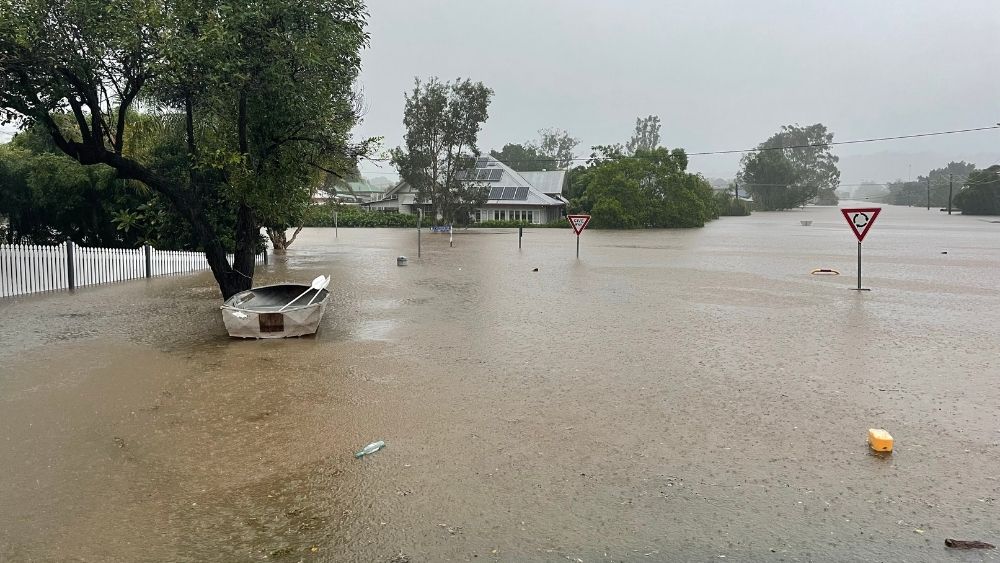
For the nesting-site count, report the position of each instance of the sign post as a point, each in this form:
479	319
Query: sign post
420	218
445	229
579	223
861	220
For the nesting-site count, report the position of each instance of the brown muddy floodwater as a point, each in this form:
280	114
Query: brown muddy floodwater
671	396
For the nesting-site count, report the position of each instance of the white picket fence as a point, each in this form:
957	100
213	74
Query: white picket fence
34	268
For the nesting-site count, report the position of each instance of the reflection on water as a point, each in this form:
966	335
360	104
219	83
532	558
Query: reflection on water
672	395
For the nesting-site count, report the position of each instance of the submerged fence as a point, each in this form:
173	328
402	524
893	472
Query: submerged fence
33	268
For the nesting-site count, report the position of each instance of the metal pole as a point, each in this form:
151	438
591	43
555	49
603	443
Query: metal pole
577	247
951	182
149	260
520	233
420	218
859	265
928	191
336	231
70	274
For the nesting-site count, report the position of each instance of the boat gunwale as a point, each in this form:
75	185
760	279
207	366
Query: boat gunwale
226	306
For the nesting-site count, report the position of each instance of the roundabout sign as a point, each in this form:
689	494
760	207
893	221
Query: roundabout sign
861	220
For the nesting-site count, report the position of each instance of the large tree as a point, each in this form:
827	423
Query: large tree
523	157
774	182
557	145
646	136
651	189
254	97
442	122
814	166
552	151
981	193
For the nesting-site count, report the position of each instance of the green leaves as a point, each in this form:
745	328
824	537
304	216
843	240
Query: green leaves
442	122
797	167
241	103
650	189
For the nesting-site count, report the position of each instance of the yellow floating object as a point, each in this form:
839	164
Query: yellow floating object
879	440
826	271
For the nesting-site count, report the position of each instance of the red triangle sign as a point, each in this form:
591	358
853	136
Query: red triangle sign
578	222
861	219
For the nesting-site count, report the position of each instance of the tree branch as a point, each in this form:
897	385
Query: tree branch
327	170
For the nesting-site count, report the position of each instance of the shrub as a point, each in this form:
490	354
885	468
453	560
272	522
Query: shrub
727	205
347	217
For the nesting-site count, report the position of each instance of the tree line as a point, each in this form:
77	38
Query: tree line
197	123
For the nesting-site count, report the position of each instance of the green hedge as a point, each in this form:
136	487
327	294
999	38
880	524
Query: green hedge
727	205
322	216
557	224
347	217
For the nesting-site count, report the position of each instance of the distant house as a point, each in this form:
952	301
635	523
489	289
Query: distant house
534	197
349	191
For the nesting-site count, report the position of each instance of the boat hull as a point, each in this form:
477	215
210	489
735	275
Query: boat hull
257	313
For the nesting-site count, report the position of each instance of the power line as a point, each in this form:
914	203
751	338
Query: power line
853	142
761	149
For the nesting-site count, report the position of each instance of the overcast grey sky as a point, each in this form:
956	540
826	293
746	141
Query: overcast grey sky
720	74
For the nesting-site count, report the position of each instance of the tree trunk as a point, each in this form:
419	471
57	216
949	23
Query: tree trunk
279	237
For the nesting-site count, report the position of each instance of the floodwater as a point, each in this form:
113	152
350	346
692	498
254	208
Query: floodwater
670	396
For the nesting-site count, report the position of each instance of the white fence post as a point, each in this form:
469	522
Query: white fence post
33	268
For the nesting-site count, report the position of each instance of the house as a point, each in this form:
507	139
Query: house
534	197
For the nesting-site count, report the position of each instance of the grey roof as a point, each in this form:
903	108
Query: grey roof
546	181
508	179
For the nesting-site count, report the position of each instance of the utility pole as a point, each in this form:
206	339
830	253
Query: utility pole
928	191
950	184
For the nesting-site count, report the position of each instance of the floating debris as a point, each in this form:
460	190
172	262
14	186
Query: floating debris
370	449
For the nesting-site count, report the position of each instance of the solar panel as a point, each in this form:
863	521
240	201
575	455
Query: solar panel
484	174
521	194
508	193
495	174
481	162
495	193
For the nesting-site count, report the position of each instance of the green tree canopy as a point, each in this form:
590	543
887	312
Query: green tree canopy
523	157
553	150
938	182
774	182
251	99
804	170
558	145
646	136
981	193
442	122
650	189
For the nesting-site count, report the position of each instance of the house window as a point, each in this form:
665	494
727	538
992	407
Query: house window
496	214
479	215
531	216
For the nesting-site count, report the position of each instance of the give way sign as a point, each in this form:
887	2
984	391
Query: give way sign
861	219
578	222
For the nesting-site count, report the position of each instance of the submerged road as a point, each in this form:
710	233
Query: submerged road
671	396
